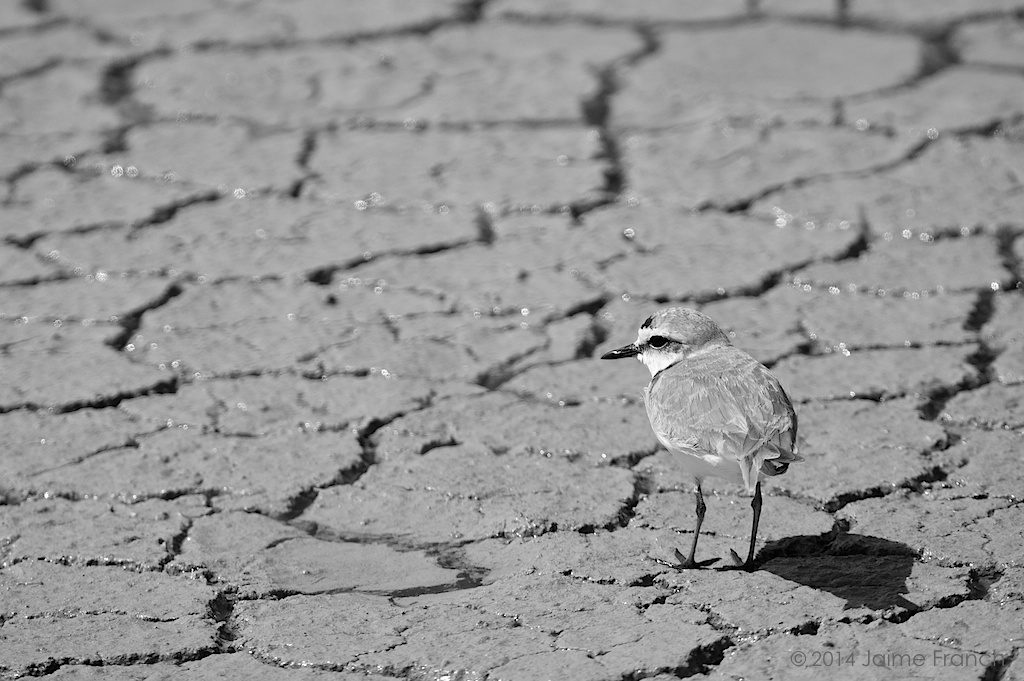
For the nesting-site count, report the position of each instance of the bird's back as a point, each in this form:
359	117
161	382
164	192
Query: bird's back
723	406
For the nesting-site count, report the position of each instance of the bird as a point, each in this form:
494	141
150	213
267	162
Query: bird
717	406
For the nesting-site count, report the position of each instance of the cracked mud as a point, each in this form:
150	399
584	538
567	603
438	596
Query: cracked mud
300	304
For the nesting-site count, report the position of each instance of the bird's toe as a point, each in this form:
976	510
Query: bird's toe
739	564
690	564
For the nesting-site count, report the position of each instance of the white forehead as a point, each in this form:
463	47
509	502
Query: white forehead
644	334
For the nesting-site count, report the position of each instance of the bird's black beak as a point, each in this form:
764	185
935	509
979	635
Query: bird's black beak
630	350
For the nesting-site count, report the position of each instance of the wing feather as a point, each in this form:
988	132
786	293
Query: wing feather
724	406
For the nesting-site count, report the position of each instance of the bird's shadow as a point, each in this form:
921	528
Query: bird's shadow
867	572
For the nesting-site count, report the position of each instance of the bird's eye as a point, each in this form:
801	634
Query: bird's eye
657	341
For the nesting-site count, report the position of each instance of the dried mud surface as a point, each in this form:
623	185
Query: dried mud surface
300	306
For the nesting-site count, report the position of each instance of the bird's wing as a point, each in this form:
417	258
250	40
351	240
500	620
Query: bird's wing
730	409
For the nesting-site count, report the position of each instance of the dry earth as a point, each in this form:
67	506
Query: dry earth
300	304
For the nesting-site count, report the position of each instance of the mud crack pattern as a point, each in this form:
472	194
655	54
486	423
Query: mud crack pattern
300	304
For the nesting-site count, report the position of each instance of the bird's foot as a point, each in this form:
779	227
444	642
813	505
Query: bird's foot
739	564
690	564
683	562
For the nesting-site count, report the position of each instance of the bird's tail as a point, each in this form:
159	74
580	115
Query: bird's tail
775	454
775	467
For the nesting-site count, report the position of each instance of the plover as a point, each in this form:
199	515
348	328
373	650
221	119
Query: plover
715	405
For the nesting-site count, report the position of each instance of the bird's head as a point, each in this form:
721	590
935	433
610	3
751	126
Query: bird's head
669	335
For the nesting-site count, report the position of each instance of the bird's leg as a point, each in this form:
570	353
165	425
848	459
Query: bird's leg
756	505
701	508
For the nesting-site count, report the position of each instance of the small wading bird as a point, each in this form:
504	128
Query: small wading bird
716	405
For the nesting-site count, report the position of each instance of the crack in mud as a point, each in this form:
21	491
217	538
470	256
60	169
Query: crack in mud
116	89
164	387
